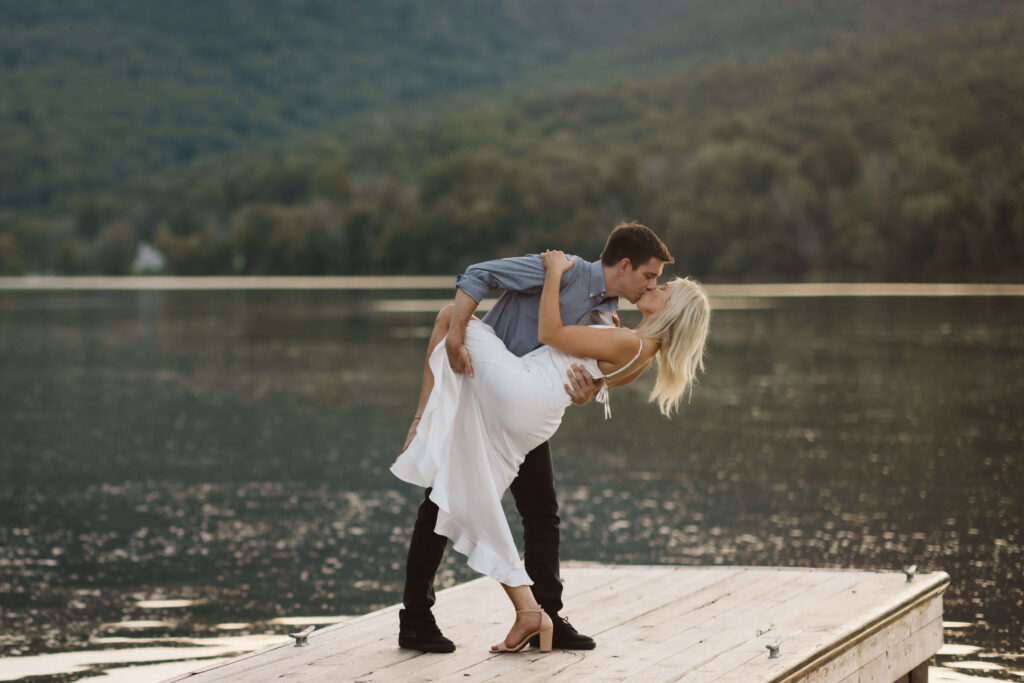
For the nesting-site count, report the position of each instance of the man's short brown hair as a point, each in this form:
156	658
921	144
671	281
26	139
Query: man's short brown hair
636	242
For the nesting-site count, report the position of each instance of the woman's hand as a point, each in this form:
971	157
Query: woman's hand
556	262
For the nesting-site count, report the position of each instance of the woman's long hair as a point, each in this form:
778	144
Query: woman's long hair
682	327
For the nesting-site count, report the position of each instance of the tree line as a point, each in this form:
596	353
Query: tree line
901	162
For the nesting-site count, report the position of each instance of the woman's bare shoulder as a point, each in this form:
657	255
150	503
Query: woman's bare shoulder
600	343
621	340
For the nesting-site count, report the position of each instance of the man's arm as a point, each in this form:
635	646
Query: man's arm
454	344
519	274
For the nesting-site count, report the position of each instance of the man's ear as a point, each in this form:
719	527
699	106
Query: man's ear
623	265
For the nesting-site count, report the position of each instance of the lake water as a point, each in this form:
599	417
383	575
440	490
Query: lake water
229	451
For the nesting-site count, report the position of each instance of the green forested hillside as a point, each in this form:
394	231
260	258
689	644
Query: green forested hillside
888	153
97	92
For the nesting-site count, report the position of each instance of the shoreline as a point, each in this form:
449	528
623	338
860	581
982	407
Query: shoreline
444	282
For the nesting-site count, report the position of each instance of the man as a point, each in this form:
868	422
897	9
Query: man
631	262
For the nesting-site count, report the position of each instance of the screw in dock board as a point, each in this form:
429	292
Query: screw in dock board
302	637
773	649
910	572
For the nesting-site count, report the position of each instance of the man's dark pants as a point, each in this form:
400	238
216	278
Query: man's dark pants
534	493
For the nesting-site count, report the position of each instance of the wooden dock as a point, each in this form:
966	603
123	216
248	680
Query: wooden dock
651	623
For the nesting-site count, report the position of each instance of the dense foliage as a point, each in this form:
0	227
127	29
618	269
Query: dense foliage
896	160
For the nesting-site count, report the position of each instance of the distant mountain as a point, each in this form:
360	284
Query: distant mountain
95	94
902	161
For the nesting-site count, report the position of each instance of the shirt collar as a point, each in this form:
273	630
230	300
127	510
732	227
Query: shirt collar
598	288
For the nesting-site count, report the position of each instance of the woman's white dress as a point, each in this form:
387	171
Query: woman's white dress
475	433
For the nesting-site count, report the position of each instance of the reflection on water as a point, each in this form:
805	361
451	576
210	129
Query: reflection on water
89	663
160	604
206	459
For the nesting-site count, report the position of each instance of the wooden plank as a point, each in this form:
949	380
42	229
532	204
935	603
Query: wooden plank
830	611
872	645
386	661
319	640
698	648
880	594
900	658
651	623
800	641
337	638
623	601
363	648
487	594
587	602
631	635
857	624
614	597
281	660
649	608
652	638
588	614
342	637
637	615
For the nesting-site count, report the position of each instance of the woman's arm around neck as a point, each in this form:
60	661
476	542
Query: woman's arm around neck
611	345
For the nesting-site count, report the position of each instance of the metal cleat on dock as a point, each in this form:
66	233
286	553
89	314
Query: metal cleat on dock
773	648
910	571
302	637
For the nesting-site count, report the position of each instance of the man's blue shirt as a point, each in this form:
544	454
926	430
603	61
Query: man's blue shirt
582	297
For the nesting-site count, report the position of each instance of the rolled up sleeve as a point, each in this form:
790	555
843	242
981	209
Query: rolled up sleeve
519	274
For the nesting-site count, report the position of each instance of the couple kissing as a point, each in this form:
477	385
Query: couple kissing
494	392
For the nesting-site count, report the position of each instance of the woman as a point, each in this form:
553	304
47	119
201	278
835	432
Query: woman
470	434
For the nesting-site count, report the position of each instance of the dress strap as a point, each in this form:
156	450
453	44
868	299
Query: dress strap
638	352
602	393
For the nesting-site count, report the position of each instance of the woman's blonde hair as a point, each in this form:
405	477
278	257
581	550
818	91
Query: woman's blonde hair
682	328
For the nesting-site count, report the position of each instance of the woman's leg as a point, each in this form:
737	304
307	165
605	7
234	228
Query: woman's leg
530	619
441	324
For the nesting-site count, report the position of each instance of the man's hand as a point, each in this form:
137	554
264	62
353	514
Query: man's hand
582	387
615	319
458	355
